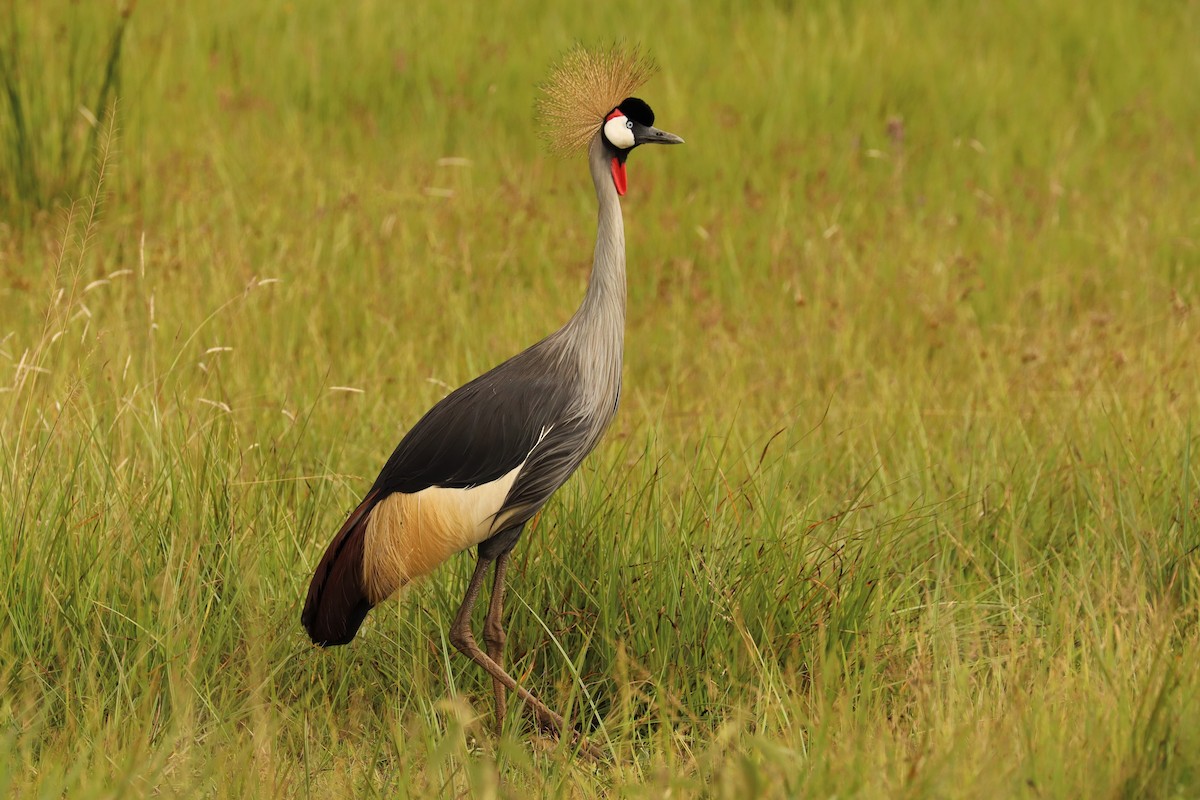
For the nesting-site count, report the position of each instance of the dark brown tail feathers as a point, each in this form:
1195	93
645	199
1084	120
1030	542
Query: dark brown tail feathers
337	601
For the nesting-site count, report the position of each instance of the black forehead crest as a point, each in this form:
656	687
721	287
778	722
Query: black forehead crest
637	110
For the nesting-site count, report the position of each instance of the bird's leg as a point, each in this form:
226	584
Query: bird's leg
494	636
462	638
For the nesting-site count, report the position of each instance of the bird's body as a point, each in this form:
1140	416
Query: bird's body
489	455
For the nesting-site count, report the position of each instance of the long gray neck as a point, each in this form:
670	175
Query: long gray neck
605	299
598	328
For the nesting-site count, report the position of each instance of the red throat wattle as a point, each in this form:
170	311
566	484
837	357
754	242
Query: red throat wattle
618	171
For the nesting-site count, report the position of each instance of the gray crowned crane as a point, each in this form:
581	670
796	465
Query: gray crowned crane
488	456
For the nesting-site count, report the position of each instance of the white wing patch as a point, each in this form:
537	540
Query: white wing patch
408	535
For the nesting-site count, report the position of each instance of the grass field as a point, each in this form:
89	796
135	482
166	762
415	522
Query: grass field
903	499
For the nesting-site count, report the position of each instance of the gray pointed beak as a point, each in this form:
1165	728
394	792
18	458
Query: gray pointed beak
646	135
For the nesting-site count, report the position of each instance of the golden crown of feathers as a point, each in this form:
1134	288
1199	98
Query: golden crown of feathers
585	85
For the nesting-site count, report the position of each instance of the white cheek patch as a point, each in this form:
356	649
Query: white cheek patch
618	133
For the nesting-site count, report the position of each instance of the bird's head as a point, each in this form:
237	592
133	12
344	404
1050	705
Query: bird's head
625	127
581	104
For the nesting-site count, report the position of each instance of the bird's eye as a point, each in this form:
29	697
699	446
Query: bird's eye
629	124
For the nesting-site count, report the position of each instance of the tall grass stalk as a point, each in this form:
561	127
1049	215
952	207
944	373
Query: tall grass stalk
57	91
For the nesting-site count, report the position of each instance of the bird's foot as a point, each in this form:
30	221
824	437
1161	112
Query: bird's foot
553	724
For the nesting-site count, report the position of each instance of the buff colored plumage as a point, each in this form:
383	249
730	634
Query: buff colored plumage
410	535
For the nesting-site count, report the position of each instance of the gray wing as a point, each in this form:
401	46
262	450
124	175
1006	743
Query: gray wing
487	427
